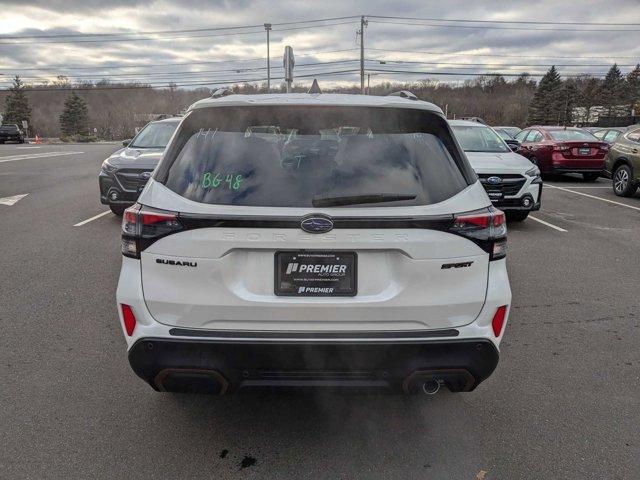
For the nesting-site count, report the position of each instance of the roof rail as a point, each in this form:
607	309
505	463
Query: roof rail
221	92
404	94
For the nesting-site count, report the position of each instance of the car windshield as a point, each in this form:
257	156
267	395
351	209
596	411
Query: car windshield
154	135
479	139
8	128
313	156
504	135
572	136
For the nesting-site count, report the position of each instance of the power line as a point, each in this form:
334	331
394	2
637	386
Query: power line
157	32
384	60
493	27
477	74
191	73
498	54
533	22
190	84
159	38
129	65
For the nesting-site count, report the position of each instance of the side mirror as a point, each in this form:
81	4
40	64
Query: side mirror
125	143
514	145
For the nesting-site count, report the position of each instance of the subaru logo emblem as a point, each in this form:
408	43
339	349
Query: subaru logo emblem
145	175
316	224
494	180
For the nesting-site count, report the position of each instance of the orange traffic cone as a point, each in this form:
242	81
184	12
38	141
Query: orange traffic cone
38	139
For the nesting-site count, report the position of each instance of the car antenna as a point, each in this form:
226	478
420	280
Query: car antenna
315	88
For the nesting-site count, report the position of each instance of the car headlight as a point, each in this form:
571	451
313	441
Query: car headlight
107	167
534	172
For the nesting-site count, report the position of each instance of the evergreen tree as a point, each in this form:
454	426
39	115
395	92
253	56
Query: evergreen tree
547	106
633	89
16	104
614	93
75	116
571	99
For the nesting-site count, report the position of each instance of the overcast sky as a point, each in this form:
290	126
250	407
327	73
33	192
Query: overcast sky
235	56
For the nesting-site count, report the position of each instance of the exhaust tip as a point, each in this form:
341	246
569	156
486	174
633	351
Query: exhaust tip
431	387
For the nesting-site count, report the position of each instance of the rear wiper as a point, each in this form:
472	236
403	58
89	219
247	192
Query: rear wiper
359	199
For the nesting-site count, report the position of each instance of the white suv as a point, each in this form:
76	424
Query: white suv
512	182
313	241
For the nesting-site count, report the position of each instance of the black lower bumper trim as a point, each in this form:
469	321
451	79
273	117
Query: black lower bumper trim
415	334
218	366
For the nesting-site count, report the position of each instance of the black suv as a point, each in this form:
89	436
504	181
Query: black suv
11	133
125	173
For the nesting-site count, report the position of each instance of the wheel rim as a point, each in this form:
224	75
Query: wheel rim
621	180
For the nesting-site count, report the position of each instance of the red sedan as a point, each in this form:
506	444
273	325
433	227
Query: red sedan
564	150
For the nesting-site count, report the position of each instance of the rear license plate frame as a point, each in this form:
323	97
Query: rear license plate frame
311	284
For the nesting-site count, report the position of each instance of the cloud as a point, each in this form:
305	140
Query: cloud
239	56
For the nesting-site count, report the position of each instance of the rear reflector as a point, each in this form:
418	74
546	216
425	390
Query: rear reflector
129	319
498	320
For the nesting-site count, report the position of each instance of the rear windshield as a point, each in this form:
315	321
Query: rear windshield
154	135
572	136
299	156
479	139
8	128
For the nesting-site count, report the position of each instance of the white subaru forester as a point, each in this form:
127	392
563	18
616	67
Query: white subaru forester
313	240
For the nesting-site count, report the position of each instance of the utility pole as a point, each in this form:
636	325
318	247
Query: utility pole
267	27
363	24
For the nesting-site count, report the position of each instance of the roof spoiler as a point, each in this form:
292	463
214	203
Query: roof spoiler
404	94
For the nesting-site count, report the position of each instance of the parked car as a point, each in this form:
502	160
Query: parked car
511	131
370	258
11	133
564	150
609	135
125	173
512	182
508	139
623	163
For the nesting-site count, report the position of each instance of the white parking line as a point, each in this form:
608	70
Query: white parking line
597	198
585	188
29	156
95	217
551	225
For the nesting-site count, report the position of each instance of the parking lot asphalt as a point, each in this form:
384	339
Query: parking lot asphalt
564	402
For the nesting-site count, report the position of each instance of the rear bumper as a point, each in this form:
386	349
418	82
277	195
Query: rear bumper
230	365
599	170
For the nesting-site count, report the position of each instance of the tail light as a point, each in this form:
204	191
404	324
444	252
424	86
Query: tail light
486	227
142	226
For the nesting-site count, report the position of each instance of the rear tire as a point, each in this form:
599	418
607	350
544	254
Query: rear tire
623	184
117	210
590	177
516	216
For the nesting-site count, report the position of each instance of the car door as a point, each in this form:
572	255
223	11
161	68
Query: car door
535	151
632	151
